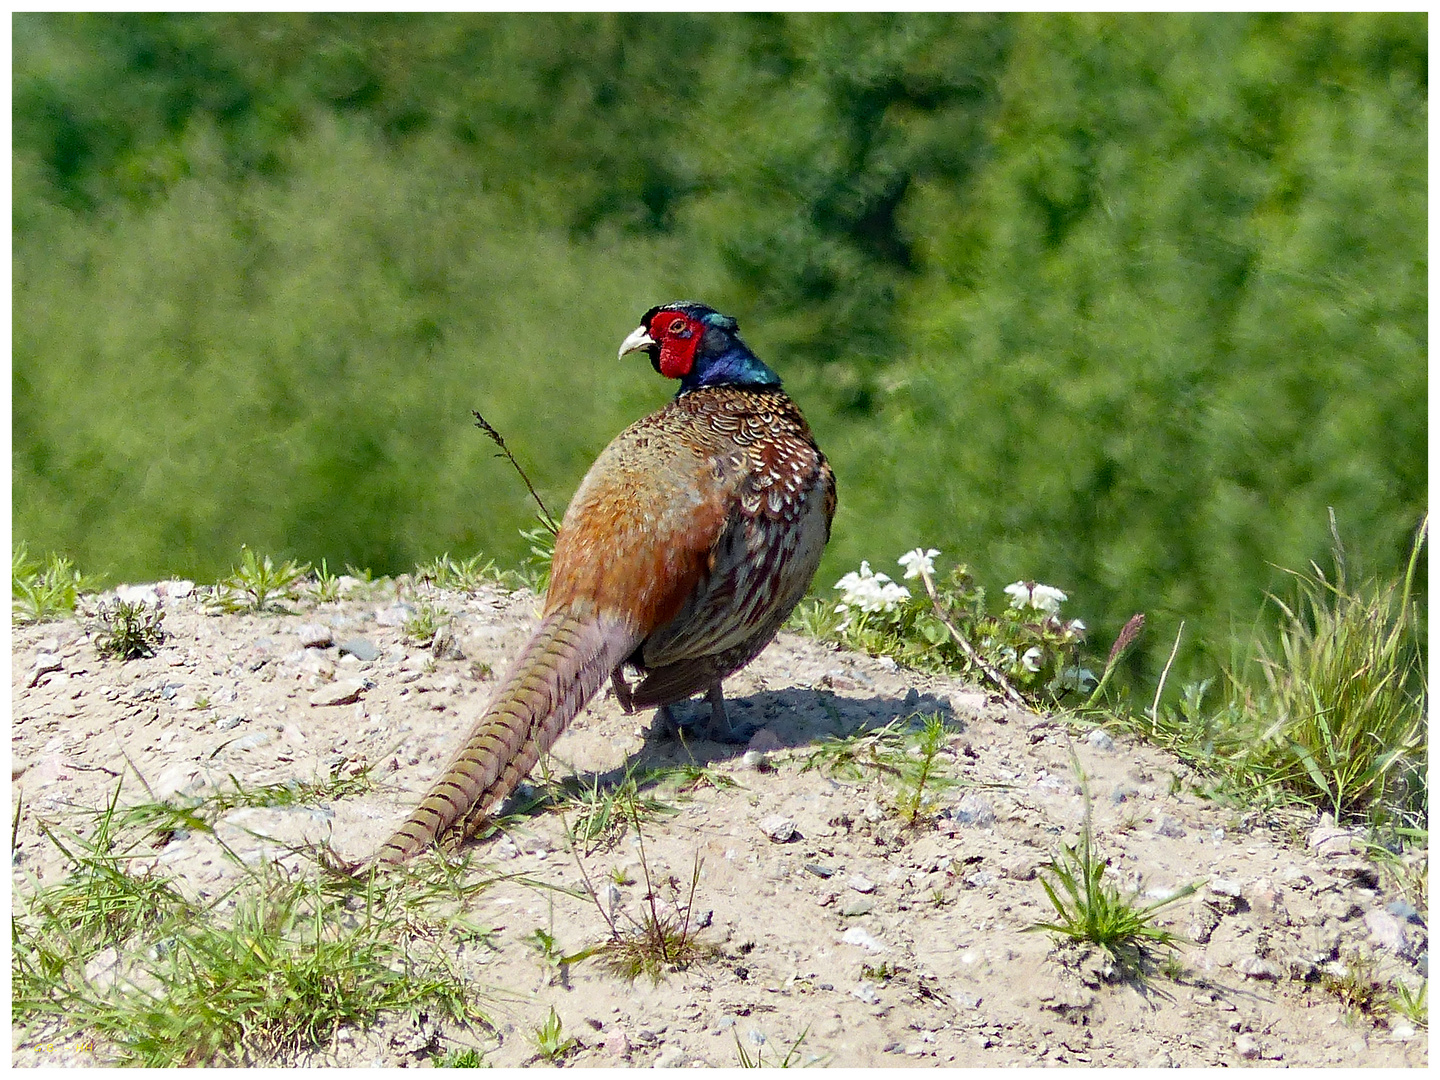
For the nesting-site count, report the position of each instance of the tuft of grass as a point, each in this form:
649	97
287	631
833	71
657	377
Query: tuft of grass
43	591
1412	1004
599	816
464	575
921	770
258	584
1351	979
759	1062
128	631
1336	710
327	585
421	626
276	966
849	756
665	937
460	1058
1090	909
910	754
535	572
550	1038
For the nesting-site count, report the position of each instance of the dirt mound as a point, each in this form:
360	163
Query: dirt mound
878	942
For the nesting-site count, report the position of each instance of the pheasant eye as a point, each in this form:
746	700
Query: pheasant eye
677	326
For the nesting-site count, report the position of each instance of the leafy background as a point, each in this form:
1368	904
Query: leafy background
1118	303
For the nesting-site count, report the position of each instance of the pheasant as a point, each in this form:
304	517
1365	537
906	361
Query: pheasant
688	543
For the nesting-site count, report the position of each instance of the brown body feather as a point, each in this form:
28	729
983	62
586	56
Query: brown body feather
688	543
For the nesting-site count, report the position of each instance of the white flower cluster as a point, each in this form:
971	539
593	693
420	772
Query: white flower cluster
869	591
1044	598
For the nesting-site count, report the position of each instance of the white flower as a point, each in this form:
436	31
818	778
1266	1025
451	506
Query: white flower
918	562
1031	659
1045	598
869	591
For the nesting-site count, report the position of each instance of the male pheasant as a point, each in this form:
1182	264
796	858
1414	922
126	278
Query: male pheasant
688	543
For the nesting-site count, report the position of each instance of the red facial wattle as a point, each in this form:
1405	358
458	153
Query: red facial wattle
679	338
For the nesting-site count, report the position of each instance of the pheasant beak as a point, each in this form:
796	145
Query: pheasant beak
639	339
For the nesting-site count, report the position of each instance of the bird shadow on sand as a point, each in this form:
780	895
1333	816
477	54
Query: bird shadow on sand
779	719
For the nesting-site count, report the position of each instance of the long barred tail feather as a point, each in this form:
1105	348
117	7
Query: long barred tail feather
563	665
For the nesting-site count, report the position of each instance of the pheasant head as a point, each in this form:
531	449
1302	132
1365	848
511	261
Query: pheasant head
697	345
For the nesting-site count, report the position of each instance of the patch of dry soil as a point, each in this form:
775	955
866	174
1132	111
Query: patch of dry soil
881	946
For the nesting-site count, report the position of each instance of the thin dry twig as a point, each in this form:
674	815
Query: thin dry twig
992	672
499	440
1155	705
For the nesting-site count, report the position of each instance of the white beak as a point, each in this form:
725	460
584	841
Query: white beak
639	339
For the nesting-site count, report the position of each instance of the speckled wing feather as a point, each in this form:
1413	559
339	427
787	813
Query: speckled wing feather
782	497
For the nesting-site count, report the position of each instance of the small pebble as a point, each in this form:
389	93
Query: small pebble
1170	827
395	615
974	810
1101	740
360	648
858	936
779	828
314	635
340	692
860	883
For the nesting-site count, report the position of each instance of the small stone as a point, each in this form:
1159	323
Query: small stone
314	636
1226	887
1023	867
176	589
1330	842
671	1057
1256	967
968	702
779	828
1402	1033
1101	741
860	883
253	741
1169	827
857	906
138	594
1122	793
1247	1046
361	649
44	664
394	615
103	969
1386	931
858	936
755	759
973	810
874	812
445	645
227	722
340	692
867	993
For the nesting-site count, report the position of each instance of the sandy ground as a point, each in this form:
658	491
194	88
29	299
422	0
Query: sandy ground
880	944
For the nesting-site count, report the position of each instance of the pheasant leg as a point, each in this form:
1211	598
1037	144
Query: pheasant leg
622	689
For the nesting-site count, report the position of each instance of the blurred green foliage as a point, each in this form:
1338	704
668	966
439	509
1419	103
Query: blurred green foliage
1118	303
